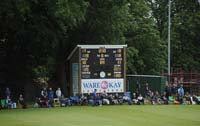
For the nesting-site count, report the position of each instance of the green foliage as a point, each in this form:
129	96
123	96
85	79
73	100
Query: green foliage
132	60
105	23
36	36
145	38
33	32
71	12
184	31
185	35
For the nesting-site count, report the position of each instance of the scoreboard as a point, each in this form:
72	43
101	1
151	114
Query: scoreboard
102	63
102	68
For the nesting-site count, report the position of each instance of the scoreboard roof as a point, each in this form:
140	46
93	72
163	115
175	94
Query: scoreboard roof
101	46
94	47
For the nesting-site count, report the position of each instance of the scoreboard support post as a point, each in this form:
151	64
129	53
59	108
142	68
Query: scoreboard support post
124	69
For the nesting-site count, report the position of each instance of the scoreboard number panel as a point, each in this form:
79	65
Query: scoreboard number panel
102	63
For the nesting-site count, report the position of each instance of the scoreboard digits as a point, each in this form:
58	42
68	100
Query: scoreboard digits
102	63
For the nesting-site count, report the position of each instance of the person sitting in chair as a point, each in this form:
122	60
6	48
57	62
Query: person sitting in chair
10	103
135	100
140	99
21	101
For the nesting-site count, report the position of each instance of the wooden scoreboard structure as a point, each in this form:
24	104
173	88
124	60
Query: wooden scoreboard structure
101	67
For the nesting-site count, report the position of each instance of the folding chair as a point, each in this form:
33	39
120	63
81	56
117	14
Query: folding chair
171	99
3	103
56	102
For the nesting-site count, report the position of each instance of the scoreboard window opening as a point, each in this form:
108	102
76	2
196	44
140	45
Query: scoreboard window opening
85	55
102	62
117	75
85	69
86	76
119	50
102	50
117	68
118	55
83	50
84	62
119	62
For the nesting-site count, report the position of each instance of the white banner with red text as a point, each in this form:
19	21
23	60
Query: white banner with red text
107	85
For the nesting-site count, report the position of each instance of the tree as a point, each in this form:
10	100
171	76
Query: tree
185	36
32	32
184	31
146	46
105	23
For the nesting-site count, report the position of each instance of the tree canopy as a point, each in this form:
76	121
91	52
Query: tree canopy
36	36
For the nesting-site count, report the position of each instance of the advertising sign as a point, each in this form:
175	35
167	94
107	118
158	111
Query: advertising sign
108	85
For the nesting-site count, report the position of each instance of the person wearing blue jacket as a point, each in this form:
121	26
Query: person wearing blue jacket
181	94
51	97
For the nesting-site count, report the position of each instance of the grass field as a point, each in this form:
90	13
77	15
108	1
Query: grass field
125	115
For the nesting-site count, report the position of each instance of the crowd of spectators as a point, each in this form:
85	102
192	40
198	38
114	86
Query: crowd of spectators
173	94
94	99
8	102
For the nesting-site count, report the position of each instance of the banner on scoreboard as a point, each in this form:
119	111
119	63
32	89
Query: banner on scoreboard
108	85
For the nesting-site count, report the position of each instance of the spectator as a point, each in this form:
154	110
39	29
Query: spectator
135	100
59	94
115	99
65	101
7	92
21	101
140	99
168	90
146	90
98	100
41	103
105	100
10	103
83	99
164	98
127	99
196	99
188	98
51	97
36	104
152	98
138	87
110	98
90	99
44	93
94	96
174	89
120	99
95	93
75	99
157	98
180	94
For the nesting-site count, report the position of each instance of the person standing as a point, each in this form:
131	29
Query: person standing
44	97
51	97
59	94
181	94
147	91
7	92
138	88
168	90
44	93
94	96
